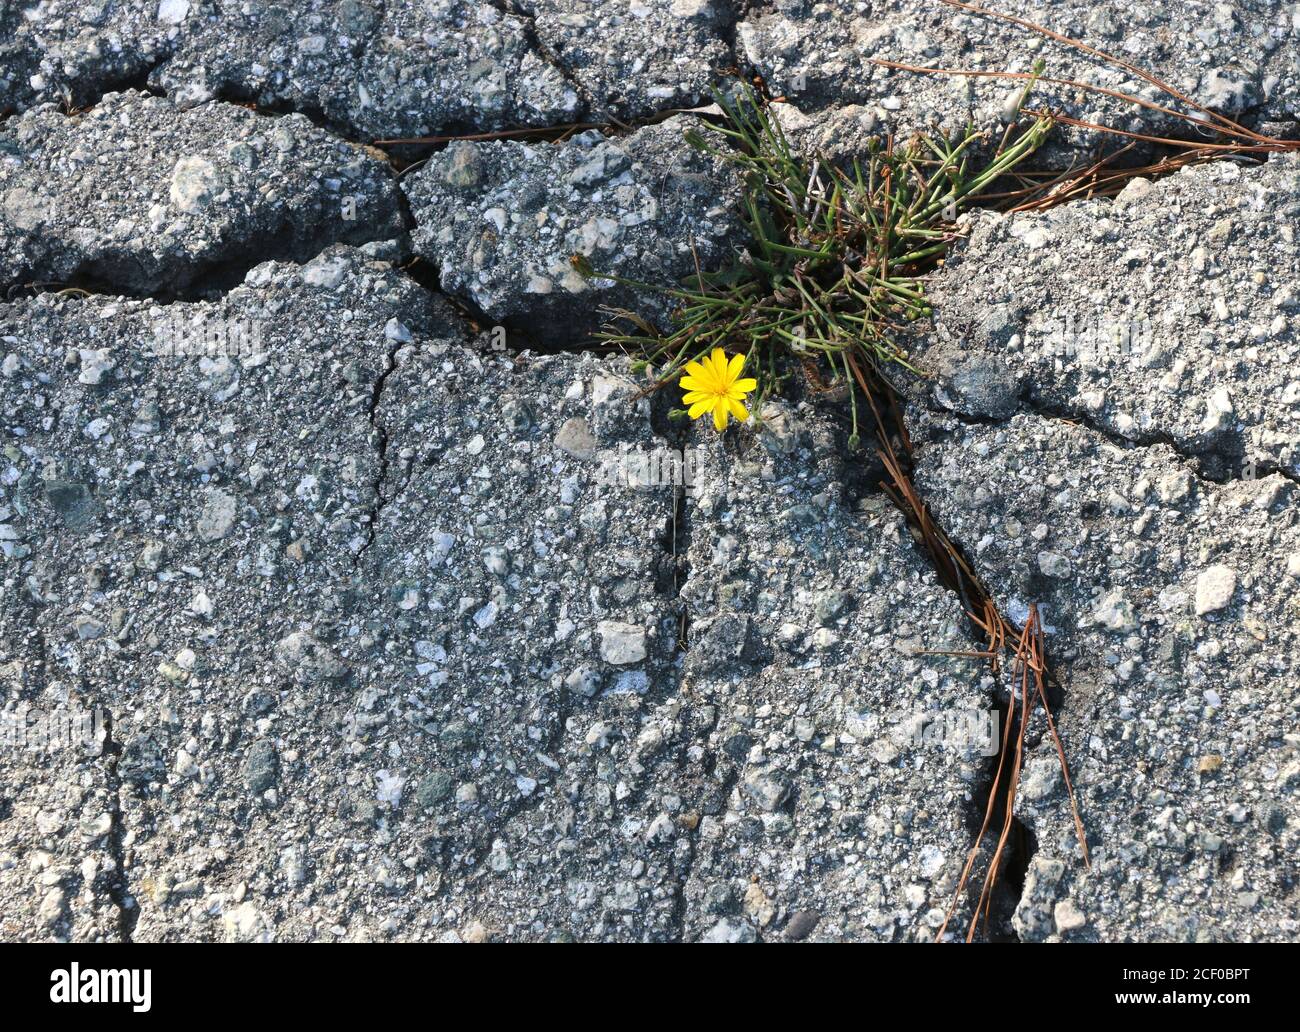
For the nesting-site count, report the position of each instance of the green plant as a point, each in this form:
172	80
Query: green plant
837	257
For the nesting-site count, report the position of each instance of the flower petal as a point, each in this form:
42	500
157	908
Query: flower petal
735	366
738	410
691	397
744	386
693	383
695	369
720	417
699	408
719	362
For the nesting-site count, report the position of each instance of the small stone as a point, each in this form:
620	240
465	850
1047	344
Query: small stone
585	681
574	438
767	789
218	515
388	789
325	272
87	628
1068	917
1042	774
1053	564
261	768
185	767
1214	589
1219	412
980	385
1114	612
461	165
73	502
475	931
487	616
932	861
830	606
801	925
397	331
433	788
95	365
730	930
245	923
308	659
598	735
152	555
195	182
173	12
621	643
1135	190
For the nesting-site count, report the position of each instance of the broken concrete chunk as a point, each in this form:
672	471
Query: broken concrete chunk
140	197
1188	345
1145	704
635	206
373	70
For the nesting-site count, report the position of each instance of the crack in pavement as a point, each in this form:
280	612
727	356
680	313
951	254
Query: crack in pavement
380	438
119	890
1197	459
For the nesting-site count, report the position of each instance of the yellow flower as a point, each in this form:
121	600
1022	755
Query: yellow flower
713	386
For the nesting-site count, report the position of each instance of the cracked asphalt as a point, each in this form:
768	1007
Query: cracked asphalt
321	618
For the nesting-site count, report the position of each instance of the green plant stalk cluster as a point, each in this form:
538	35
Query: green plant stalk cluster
837	257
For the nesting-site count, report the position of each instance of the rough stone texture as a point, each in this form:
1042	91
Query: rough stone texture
1235	58
631	58
1179	723
378	70
138	196
396	640
840	134
346	590
371	69
1168	314
389	654
73	51
58	873
375	70
173	523
502	220
825	818
508	572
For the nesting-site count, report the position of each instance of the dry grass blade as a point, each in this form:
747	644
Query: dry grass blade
1040	674
973	856
1029	675
1167	141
